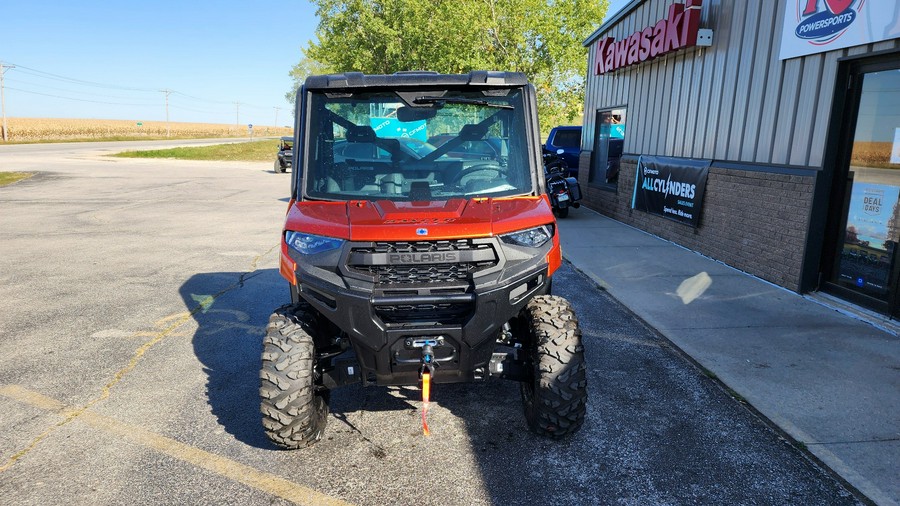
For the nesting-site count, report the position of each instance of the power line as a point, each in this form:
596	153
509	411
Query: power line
48	75
173	106
76	99
220	101
245	104
169	93
3	100
202	99
19	81
198	110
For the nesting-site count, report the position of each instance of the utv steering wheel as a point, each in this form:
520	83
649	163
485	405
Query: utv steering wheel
482	167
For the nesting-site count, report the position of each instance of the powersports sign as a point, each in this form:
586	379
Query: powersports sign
671	187
815	26
676	31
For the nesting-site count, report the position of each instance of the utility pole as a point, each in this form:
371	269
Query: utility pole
237	114
276	115
167	92
3	99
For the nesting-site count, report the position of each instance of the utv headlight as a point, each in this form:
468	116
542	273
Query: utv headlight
308	244
532	237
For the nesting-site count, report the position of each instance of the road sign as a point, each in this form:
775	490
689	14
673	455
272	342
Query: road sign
140	124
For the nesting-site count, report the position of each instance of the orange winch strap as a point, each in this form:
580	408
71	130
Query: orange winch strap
426	393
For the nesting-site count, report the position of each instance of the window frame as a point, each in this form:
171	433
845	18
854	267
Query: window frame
597	177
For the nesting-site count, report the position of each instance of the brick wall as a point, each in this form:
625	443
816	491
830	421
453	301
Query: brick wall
752	220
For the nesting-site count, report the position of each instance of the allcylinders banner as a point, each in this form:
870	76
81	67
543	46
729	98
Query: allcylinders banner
671	187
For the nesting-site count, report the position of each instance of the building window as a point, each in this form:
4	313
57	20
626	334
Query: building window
608	141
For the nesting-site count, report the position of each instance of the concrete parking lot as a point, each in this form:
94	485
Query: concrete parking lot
133	298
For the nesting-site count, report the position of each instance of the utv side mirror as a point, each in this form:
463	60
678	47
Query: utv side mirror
410	114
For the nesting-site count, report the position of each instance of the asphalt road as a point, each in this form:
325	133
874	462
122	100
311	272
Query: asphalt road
133	298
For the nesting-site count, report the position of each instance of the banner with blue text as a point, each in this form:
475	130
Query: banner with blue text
671	187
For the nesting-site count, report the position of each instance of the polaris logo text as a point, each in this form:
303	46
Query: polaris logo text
822	21
423	258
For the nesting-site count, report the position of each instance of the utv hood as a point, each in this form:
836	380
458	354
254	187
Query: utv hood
386	220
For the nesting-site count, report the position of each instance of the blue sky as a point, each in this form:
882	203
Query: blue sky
614	7
210	53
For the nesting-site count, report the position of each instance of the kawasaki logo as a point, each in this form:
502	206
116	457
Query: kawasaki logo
677	31
423	258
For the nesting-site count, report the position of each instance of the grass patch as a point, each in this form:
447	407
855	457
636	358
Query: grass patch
11	177
257	151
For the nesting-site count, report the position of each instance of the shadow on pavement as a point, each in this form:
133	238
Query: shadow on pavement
228	342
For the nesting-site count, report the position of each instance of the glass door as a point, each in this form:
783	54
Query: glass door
608	143
866	260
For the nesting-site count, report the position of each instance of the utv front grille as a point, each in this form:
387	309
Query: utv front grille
391	263
443	313
389	274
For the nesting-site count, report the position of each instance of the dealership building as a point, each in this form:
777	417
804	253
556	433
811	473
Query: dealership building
764	134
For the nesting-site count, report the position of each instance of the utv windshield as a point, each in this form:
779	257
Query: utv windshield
423	145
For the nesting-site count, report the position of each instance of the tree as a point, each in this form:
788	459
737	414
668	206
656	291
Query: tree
542	38
299	72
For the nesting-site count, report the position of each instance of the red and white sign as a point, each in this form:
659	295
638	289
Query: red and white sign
816	26
677	31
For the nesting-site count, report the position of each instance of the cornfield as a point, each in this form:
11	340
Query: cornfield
49	129
872	154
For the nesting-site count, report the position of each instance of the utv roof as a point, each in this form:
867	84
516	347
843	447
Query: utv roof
415	78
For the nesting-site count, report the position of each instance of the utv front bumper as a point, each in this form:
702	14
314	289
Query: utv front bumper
389	298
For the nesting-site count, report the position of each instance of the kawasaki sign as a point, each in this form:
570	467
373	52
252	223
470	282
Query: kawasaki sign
677	31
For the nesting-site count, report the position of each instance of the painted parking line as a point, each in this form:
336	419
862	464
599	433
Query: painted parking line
166	327
250	476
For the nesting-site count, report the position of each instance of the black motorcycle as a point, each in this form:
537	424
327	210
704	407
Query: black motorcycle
564	191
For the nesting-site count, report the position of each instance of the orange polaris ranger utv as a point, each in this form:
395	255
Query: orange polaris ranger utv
411	264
